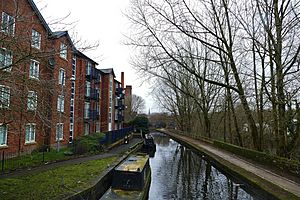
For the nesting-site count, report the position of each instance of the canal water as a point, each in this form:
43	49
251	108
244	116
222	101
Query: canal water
179	173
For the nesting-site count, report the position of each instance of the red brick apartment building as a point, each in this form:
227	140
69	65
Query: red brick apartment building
50	93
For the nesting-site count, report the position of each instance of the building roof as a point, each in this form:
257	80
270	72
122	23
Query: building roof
108	71
134	163
39	15
82	55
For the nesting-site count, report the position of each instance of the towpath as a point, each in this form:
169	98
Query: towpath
262	174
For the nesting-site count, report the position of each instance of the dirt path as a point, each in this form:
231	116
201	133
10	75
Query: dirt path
114	151
262	172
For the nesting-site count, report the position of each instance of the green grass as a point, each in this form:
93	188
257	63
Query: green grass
56	183
34	159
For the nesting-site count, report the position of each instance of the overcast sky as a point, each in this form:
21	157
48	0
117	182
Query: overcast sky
102	21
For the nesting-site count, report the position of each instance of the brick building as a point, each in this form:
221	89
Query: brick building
50	93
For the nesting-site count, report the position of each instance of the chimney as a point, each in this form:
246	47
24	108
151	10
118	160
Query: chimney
122	79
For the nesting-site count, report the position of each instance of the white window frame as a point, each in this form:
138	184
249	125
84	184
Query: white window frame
89	68
87	106
86	128
36	39
6	59
59	131
32	100
87	88
7	24
63	50
30	135
98	127
62	76
34	69
60	103
4	96
3	134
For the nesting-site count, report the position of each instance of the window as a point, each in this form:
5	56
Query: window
7	24
5	60
3	135
30	133
86	128
63	51
98	108
97	127
89	68
59	131
60	103
32	100
87	88
4	96
35	39
61	76
34	69
86	110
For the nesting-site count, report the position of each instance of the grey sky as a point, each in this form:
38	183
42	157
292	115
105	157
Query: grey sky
102	21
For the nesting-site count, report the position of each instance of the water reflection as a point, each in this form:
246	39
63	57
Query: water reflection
179	173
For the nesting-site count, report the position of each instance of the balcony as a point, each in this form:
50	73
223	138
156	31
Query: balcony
91	73
95	94
119	91
119	117
119	104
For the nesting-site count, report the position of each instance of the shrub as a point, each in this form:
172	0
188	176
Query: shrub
88	144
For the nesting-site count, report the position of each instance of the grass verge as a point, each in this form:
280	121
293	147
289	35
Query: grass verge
55	183
34	159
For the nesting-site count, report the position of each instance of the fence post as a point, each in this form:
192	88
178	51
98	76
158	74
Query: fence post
2	162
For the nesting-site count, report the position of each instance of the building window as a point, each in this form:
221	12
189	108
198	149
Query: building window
7	24
98	107
97	127
5	60
4	96
86	128
59	131
32	100
61	76
3	135
30	133
87	88
89	68
35	39
60	103
86	110
63	51
34	69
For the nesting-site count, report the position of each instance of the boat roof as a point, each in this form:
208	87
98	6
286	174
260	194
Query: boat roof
134	163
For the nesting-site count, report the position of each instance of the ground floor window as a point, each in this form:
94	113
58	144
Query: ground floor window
59	131
30	133
97	127
3	135
86	128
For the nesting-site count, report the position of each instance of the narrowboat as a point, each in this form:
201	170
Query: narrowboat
149	146
131	179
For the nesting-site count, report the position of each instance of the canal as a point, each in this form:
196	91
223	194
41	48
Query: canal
179	173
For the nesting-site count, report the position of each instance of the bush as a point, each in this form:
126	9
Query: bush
292	166
88	144
141	123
